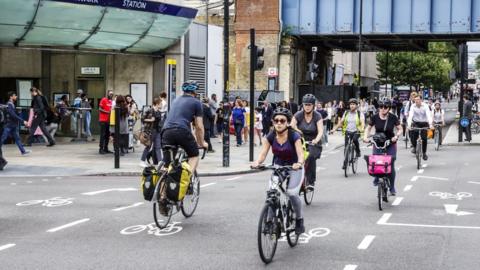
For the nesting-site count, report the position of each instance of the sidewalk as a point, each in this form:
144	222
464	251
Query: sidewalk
69	159
451	138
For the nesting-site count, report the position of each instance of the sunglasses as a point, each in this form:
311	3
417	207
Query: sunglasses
383	107
281	121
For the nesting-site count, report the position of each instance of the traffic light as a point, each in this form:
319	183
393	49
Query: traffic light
258	58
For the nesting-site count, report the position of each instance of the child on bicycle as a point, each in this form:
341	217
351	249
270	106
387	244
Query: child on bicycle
287	151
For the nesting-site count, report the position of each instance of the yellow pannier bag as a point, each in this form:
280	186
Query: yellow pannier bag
177	181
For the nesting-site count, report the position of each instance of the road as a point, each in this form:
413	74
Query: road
94	230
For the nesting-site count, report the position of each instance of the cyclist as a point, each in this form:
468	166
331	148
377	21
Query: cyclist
310	123
185	110
420	117
439	118
353	124
287	150
406	111
385	123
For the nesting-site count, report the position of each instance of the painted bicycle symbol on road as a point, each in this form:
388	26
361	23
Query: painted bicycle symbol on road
52	202
151	228
445	195
305	237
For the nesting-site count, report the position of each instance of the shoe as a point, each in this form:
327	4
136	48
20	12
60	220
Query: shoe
359	155
238	145
3	164
108	151
326	144
310	187
425	157
122	154
393	192
143	164
26	153
27	144
299	228
375	182
344	166
211	151
101	152
51	144
163	208
413	151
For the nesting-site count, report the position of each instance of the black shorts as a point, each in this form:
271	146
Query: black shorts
183	138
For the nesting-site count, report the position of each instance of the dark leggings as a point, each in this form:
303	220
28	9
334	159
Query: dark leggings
355	136
423	134
311	163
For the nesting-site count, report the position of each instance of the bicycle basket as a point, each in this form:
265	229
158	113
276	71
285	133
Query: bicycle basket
379	165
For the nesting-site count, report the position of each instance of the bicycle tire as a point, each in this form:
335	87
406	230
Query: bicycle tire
354	162
379	196
346	160
292	237
192	198
419	154
308	196
266	257
161	224
437	140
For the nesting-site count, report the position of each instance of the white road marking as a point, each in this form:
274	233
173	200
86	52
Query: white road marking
397	201
108	190
407	188
29	182
399	167
416	177
384	221
321	169
421	171
6	246
209	184
233	178
129	206
58	178
424	165
350	267
452	210
68	225
473	182
366	242
45	180
13	184
334	152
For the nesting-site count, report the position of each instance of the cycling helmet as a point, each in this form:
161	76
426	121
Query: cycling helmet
353	100
309	99
282	111
385	102
190	86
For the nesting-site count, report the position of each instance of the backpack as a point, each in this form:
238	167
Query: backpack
3	114
150	178
177	181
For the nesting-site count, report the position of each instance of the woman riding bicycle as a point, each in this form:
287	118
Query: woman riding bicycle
287	151
385	123
438	115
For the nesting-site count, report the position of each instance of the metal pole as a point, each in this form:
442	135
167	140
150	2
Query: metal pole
253	51
226	119
117	137
360	45
463	50
206	53
386	76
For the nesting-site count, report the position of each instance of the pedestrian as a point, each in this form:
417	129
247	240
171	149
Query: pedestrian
77	102
104	108
87	112
122	143
323	112
330	114
340	111
267	113
246	128
207	122
238	119
213	104
292	106
258	124
163	102
13	121
467	112
219	118
146	136
39	115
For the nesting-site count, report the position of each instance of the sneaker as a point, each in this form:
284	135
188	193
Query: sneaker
143	164
344	166
26	153
101	152
3	164
425	157
299	228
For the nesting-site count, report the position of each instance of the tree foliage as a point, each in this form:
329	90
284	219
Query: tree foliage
477	62
419	69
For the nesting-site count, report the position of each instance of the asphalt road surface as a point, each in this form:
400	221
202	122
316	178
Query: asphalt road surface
103	222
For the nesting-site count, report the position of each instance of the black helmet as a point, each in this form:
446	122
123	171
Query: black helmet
282	111
190	86
385	102
353	100
309	99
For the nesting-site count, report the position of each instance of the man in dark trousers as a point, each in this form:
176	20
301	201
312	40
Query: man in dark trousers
39	115
267	113
207	124
13	120
292	106
467	112
105	107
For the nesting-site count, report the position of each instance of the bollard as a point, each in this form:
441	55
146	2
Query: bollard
117	137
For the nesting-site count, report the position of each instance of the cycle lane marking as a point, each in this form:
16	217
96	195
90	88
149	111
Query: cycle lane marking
233	178
56	229
7	246
207	185
367	240
397	201
127	207
152	229
407	188
384	221
350	267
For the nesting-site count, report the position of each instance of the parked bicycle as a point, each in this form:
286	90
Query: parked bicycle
350	157
277	216
418	149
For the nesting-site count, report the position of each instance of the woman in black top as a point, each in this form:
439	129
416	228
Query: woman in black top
386	122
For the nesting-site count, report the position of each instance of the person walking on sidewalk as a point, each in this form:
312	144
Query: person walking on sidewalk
467	112
267	113
13	120
238	119
258	124
39	115
85	104
219	118
104	109
207	122
213	104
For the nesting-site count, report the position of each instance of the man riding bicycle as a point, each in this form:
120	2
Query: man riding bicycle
439	118
353	124
185	111
420	116
310	123
287	150
385	123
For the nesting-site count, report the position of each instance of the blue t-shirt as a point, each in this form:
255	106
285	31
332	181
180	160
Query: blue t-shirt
284	154
182	112
238	114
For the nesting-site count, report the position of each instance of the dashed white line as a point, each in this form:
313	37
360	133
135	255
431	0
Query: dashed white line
366	242
209	184
407	188
13	184
421	171
350	267
68	225
129	206
473	182
108	190
397	201
45	180
416	177
58	178
7	246
384	218
29	182
233	178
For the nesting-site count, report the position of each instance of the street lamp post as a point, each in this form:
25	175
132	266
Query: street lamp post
226	122
360	45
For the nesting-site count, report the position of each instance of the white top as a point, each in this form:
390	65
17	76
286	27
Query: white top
419	114
438	115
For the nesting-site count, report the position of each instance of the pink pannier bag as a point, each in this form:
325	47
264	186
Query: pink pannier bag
379	165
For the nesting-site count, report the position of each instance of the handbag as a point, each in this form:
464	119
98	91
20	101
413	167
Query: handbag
144	138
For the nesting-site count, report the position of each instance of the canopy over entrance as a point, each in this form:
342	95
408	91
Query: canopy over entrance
133	26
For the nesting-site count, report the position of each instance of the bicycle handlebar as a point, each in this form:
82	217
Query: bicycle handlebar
387	144
272	167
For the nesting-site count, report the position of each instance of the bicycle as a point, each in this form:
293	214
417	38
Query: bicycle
384	179
436	136
188	204
476	124
350	158
277	216
418	149
306	192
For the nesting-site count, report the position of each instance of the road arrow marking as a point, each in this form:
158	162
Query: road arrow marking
108	190
452	209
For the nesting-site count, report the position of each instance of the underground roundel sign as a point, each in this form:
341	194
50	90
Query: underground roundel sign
464	122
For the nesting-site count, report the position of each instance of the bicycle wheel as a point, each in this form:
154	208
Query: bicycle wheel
419	154
292	237
406	139
267	236
385	190
190	202
379	196
354	161
168	211
308	195
437	140
346	161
